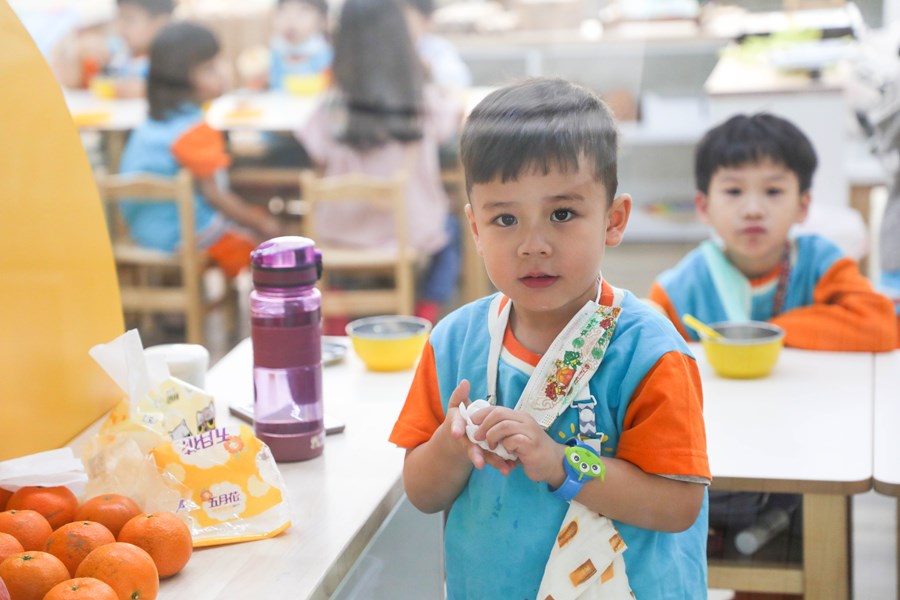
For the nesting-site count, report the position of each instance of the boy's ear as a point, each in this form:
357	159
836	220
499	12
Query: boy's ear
701	202
473	228
617	219
803	212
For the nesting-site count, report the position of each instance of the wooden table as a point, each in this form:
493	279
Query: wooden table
804	429
887	440
334	515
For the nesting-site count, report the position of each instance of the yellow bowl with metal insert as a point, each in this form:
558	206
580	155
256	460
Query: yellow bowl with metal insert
389	342
746	350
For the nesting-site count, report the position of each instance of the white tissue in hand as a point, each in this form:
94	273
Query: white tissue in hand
467	414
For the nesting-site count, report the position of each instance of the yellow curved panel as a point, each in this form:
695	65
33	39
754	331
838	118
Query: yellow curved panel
58	289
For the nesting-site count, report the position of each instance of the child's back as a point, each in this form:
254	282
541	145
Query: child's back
380	119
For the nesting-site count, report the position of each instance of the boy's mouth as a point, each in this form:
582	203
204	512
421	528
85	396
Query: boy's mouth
753	230
538	280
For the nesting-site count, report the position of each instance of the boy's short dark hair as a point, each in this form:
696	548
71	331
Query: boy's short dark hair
176	51
425	7
539	124
154	7
744	139
319	5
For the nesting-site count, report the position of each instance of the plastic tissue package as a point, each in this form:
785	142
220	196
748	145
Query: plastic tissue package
160	446
237	493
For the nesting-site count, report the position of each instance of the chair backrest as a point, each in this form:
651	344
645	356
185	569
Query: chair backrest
146	187
388	194
143	297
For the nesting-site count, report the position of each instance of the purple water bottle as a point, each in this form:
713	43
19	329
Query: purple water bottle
286	329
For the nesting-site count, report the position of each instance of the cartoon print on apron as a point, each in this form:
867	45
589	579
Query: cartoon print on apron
586	561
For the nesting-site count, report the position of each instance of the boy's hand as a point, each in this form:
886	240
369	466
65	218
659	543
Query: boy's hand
457	425
539	455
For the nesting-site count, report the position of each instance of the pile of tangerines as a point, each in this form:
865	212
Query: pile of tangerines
52	548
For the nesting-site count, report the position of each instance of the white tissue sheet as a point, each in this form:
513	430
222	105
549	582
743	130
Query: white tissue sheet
467	413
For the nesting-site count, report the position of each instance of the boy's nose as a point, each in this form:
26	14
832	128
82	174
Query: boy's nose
752	206
534	244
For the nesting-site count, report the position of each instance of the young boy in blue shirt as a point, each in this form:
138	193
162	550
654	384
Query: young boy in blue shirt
754	175
594	404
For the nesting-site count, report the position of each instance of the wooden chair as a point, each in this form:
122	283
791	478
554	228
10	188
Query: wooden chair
397	262
152	281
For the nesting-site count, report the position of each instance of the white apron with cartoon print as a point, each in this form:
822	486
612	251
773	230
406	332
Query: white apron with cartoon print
586	562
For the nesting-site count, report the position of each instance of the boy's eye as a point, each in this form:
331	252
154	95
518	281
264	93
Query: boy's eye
774	191
561	215
733	191
505	220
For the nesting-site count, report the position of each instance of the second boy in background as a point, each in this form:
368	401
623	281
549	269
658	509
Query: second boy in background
753	176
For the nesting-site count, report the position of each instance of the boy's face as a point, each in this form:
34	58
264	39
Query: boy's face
138	27
752	207
543	237
296	21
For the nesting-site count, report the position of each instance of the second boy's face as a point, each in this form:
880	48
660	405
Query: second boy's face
543	237
752	208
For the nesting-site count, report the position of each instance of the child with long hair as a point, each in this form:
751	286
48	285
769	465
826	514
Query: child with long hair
185	73
380	118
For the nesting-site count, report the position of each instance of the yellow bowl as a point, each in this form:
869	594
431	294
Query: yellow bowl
305	85
747	350
389	342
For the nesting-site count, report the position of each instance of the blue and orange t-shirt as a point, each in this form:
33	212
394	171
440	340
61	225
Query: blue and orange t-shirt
500	530
828	304
163	147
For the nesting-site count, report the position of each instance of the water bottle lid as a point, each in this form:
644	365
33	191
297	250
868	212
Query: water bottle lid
288	261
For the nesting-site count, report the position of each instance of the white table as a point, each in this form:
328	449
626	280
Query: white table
334	515
805	429
887	441
260	111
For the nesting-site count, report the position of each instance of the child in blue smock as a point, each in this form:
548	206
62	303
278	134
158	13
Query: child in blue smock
185	72
593	401
299	46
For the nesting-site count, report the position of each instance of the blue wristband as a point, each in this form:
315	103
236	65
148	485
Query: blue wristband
590	467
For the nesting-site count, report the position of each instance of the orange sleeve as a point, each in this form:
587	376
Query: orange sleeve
201	150
423	412
663	431
847	314
660	298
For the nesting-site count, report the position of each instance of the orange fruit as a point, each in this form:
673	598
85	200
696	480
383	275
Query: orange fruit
164	536
81	588
4	498
73	541
125	568
27	526
9	545
111	510
30	575
57	504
